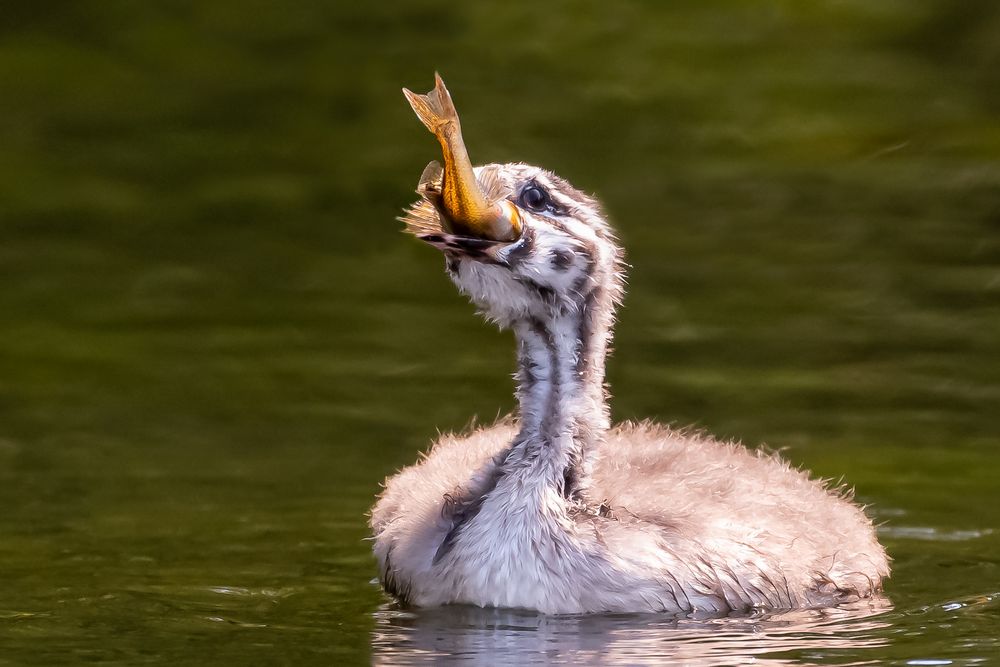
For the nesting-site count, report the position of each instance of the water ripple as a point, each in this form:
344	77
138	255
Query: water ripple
932	534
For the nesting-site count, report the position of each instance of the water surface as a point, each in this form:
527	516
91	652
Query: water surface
215	343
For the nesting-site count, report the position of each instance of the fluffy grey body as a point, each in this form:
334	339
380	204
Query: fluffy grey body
555	510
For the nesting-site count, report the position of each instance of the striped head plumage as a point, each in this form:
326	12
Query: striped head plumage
529	246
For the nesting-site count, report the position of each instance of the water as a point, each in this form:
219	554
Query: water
215	342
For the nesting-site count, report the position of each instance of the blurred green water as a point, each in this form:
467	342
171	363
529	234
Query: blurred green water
214	342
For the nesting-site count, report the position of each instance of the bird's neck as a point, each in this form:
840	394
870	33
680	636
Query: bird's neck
562	404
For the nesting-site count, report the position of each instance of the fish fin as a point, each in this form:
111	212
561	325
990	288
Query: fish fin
430	179
435	109
422	218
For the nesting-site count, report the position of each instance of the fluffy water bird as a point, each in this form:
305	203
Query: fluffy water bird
554	509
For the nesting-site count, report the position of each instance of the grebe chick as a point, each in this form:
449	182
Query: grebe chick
553	509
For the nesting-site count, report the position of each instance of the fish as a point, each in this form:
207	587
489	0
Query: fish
465	206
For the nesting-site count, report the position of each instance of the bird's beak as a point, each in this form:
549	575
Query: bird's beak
453	189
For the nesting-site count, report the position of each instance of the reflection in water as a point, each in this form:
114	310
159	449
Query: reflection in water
503	636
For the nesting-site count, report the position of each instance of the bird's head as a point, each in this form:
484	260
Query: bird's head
521	242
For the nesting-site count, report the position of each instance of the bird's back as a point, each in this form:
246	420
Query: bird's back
743	510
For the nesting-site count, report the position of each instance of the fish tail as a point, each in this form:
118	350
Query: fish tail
435	109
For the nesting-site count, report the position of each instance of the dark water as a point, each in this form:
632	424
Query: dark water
214	342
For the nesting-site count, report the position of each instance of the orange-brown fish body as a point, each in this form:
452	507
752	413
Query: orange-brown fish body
459	197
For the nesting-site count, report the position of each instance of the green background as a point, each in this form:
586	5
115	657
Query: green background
215	343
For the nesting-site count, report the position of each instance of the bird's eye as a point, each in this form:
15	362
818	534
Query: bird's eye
534	198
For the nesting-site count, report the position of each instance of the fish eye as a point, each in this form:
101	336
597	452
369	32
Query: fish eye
534	198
